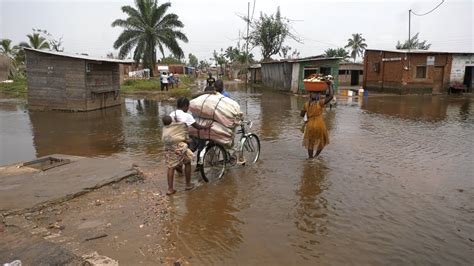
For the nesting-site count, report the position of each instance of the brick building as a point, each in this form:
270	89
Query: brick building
415	71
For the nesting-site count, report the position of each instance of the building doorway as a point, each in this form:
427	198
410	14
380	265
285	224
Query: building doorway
325	71
438	80
307	71
468	80
354	77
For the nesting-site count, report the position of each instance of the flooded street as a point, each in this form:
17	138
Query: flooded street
394	186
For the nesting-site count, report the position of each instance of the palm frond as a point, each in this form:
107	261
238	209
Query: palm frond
126	36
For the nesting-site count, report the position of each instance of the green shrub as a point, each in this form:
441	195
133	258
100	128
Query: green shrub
17	88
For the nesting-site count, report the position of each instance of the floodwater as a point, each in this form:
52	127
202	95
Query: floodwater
395	186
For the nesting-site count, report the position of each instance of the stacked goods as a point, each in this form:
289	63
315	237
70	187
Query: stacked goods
222	113
218	132
316	82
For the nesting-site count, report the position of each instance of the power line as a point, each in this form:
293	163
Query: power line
420	15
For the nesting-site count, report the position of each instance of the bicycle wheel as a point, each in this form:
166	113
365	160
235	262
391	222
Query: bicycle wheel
250	149
214	162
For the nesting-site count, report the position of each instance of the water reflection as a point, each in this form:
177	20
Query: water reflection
430	108
310	211
276	108
207	224
16	142
465	110
91	133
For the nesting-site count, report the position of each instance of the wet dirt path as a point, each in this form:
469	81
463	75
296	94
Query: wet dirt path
394	186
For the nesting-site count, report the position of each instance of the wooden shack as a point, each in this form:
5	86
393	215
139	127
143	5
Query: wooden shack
255	73
4	67
61	81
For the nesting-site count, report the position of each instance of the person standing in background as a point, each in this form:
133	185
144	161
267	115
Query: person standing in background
164	80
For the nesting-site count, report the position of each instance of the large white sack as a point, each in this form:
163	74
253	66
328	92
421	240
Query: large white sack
218	132
218	108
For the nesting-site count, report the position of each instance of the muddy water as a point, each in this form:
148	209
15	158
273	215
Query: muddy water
395	186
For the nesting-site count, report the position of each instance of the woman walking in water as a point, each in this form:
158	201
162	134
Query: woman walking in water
315	135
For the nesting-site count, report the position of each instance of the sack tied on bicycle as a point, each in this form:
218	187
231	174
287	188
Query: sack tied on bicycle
222	113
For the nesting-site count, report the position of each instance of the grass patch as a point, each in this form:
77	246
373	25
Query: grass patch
186	80
182	92
140	85
18	88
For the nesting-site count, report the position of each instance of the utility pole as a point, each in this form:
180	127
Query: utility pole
247	47
409	30
409	39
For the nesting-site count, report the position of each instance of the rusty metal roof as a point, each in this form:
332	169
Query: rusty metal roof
416	51
305	59
84	57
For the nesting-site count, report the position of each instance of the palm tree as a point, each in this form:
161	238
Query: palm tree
36	41
146	28
7	49
339	52
10	52
357	45
413	43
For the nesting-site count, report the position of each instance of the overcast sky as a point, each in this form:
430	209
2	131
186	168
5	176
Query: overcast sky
86	25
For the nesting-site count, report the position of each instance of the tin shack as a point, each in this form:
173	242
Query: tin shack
61	81
288	74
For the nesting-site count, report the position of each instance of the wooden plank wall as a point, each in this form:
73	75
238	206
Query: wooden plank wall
277	75
55	82
103	85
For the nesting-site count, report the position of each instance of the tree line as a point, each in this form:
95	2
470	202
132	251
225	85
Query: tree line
149	29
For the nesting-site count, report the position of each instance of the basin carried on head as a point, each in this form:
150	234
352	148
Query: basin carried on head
46	163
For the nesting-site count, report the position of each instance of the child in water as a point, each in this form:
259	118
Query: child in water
177	154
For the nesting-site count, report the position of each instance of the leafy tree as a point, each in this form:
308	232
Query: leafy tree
357	45
339	52
171	60
193	61
36	41
203	64
413	43
285	52
237	55
220	59
146	28
269	33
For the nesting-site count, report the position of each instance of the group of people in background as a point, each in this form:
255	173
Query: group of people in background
168	81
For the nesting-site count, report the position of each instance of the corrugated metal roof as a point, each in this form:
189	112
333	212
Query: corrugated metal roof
84	57
416	51
255	66
305	59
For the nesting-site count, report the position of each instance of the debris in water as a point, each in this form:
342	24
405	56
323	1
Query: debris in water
96	237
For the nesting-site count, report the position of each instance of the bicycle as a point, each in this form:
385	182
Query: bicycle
214	158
